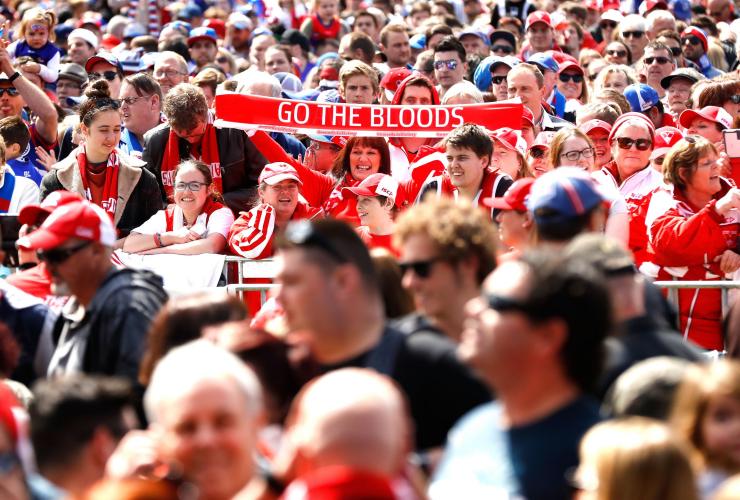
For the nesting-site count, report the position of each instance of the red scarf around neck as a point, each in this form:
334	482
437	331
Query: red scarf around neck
110	188
208	155
209	207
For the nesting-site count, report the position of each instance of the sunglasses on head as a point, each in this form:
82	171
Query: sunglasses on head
451	64
421	268
12	91
108	75
617	53
498	80
502	48
691	39
567	77
59	255
640	144
659	60
302	233
633	34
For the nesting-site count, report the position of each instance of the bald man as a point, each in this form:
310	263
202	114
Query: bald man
720	10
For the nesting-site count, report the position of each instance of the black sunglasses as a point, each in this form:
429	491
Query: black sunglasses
507	304
498	80
640	144
659	59
676	51
691	39
567	77
421	268
608	24
537	153
617	53
108	75
633	34
12	91
502	48
735	99
59	255
302	233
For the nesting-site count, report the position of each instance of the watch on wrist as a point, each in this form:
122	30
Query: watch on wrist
14	77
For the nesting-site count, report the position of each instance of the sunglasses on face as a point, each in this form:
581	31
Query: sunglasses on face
633	34
576	155
640	144
12	91
108	75
498	80
691	39
567	77
190	186
735	99
502	48
608	25
451	64
537	153
506	304
676	51
59	255
302	233
222	60
617	53
421	268
659	60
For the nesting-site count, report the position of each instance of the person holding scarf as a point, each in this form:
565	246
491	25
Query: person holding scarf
234	161
101	173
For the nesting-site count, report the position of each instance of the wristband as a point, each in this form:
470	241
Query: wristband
158	240
14	77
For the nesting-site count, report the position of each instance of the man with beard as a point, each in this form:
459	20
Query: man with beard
203	47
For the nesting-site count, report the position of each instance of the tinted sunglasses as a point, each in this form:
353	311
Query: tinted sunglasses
633	34
108	75
640	144
659	60
505	304
502	48
567	77
735	99
302	233
617	53
12	91
608	25
676	51
450	63
421	268
59	255
498	80
691	39
537	153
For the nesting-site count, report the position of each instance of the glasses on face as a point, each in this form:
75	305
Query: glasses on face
567	77
506	304
576	155
608	25
132	100
633	34
421	268
659	60
108	75
691	39
498	80
302	233
190	186
168	73
12	91
640	144
735	99
537	153
450	64
222	60
617	53
676	51
57	256
502	48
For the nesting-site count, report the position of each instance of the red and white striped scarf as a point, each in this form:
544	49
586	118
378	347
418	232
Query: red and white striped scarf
153	23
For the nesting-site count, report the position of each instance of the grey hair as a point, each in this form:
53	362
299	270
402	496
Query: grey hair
168	54
248	80
658	15
194	362
632	22
463	88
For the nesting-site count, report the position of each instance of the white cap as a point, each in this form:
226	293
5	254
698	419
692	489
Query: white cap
85	35
612	15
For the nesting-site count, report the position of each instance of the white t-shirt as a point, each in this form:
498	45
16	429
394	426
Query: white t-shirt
219	222
25	191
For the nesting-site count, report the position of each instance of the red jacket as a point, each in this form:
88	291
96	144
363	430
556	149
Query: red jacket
685	242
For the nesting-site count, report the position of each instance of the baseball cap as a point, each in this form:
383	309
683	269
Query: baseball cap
665	138
418	41
477	33
218	25
86	35
295	37
482	76
202	33
337	140
510	139
543	139
73	71
30	213
651	5
90	17
189	11
606	255
274	173
514	198
612	15
131	60
572	66
392	79
544	60
712	113
641	97
562	194
591	125
503	35
109	42
375	185
105	57
630	117
698	33
240	21
689	74
538	16
289	82
133	30
80	219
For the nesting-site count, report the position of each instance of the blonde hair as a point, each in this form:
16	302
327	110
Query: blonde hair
684	156
357	68
636	459
37	14
627	71
700	385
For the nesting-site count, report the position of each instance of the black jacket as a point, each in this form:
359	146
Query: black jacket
241	163
109	337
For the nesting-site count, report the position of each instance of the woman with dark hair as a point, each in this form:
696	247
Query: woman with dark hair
196	223
100	172
723	92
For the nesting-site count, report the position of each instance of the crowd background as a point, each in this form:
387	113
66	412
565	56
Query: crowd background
472	316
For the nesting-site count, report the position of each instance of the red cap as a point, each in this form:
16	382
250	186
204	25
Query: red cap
218	25
572	66
631	117
329	73
538	16
561	57
543	140
375	185
392	79
591	125
527	116
698	33
665	138
514	198
30	213
82	220
109	42
274	173
510	139
712	113
650	5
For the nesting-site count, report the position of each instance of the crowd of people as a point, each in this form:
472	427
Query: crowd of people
467	316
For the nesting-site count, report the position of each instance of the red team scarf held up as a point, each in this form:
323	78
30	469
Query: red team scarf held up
110	188
208	155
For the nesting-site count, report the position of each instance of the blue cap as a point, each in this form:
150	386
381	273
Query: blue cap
62	30
133	30
303	95
477	33
329	95
641	97
181	26
131	60
202	33
545	61
190	11
562	194
482	75
261	30
289	81
418	42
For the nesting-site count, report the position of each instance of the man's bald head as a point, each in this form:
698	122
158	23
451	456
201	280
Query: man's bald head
352	417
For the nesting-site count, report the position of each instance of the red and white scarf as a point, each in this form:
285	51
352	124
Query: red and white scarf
110	188
172	212
153	23
208	155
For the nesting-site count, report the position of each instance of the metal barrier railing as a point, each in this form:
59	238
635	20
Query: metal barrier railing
724	286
